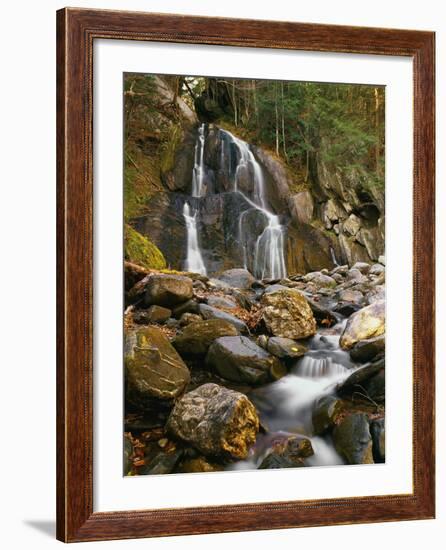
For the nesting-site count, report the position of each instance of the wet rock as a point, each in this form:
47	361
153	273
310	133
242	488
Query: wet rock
346	308
287	452
163	463
320	280
167	290
285	348
196	338
216	421
239	359
287	314
352	439
155	314
208	312
237	278
128	451
366	323
323	315
199	464
154	370
221	302
375	388
190	306
357	379
325	414
377	429
367	350
188	318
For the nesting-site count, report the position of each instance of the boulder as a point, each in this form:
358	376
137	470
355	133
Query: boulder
377	294
355	275
352	439
190	306
352	225
363	267
162	463
325	414
285	348
320	280
239	359
188	318
359	376
366	323
209	312
196	338
167	290
153	369
375	388
367	350
287	452
353	296
155	314
199	464
377	429
237	278
216	421
287	314
221	302
301	206
377	269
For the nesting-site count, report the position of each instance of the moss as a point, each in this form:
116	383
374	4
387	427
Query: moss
141	250
169	147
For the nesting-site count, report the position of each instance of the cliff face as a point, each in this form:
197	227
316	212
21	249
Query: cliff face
331	217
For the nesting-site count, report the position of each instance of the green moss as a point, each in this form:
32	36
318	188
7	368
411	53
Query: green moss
169	147
141	250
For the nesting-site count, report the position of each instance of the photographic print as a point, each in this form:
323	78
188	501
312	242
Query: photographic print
254	274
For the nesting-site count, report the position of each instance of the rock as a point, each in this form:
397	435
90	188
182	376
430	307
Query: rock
155	314
378	432
346	308
163	463
352	439
377	269
153	368
320	280
220	302
363	267
367	350
322	314
287	314
167	290
196	338
263	341
188	318
301	206
239	359
352	225
377	294
208	312
275	288
237	278
199	464
375	388
382	260
353	296
325	414
356	275
366	323
358	377
285	348
128	451
287	452
216	421
190	306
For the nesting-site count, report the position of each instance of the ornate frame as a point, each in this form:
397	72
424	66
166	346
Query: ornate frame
76	31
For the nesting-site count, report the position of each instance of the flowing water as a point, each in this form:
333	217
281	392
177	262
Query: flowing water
266	258
269	260
286	406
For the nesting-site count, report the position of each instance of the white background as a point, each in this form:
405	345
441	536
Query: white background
28	290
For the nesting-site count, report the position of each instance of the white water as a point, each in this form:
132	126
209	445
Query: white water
286	406
194	259
269	260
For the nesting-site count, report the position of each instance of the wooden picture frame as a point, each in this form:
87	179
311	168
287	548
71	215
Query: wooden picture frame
76	31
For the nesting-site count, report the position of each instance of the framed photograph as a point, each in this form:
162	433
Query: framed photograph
245	275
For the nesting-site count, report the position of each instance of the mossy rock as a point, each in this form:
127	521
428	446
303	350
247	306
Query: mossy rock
141	250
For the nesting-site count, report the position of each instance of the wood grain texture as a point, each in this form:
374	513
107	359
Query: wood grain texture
76	31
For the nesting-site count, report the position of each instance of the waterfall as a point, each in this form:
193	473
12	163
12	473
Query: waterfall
269	259
194	259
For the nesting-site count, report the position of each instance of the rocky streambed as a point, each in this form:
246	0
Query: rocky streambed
238	373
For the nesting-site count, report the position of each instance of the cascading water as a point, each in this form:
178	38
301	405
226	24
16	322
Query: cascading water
269	260
194	259
286	406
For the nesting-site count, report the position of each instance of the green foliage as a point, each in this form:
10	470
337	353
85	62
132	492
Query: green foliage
140	250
